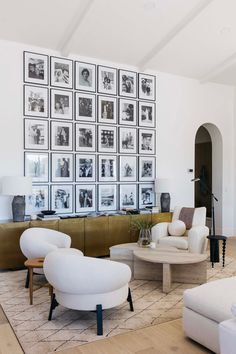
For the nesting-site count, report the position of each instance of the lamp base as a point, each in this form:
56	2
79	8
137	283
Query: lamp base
165	202
18	208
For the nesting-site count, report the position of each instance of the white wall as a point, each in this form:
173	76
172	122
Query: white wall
182	106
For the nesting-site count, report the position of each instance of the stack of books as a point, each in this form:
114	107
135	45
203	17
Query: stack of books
47	217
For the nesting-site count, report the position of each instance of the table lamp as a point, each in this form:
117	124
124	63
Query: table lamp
162	185
19	187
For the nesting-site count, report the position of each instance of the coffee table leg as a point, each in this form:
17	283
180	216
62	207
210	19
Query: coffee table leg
31	285
167	278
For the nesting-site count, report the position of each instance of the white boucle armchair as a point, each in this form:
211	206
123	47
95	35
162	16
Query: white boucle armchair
194	239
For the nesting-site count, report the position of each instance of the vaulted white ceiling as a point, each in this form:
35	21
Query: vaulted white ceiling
193	38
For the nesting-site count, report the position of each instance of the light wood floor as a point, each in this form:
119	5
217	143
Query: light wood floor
166	338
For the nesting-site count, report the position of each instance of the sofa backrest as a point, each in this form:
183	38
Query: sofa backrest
199	216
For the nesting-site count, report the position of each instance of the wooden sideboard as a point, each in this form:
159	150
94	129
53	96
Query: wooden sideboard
92	235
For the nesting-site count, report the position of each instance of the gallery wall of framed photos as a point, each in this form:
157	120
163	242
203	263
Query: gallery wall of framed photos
89	135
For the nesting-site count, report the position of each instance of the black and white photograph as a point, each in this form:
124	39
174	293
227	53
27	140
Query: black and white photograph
38	200
128	140
85	137
85	168
85	76
62	198
35	68
85	107
128	168
107	107
61	72
36	166
35	101
146	195
146	169
61	104
127	112
127	83
147	87
128	196
85	198
106	138
107	80
107	197
107	168
61	136
146	141
36	134
62	167
147	115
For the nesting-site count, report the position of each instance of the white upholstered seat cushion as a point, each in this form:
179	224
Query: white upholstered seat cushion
206	299
174	241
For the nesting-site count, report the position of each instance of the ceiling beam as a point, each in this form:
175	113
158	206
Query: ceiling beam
218	69
64	46
173	33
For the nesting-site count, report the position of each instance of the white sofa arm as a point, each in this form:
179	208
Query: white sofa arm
227	335
159	230
197	240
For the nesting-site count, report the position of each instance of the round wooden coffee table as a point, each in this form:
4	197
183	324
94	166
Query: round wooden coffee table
31	264
169	260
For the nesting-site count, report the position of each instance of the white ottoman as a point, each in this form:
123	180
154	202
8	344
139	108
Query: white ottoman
227	333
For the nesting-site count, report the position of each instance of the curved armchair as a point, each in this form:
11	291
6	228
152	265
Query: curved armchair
194	239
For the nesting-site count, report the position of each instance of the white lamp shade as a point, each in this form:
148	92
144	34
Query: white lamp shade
162	185
16	185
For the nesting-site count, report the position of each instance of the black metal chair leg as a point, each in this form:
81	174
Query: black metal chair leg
130	301
54	304
99	320
27	280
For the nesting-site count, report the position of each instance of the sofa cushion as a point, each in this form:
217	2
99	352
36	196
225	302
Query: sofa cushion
175	241
176	228
212	300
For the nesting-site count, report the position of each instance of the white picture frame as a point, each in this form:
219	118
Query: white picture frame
146	195
85	107
127	112
107	109
36	166
85	198
62	167
85	168
128	196
85	137
61	104
107	168
107	80
36	68
62	198
36	101
107	138
35	134
38	200
127	140
107	197
127	83
147	139
61	135
147	114
85	76
147	168
127	168
61	72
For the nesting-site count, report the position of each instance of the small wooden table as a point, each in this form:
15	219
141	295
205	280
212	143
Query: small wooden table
31	264
169	261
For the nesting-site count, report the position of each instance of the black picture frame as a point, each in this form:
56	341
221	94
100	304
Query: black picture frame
61	143
34	79
107	168
128	140
146	195
64	172
83	134
62	78
143	117
36	103
87	96
147	168
107	204
106	141
134	90
147	147
128	196
143	81
62	198
36	135
85	188
124	118
105	87
100	114
87	172
90	68
36	169
41	203
128	168
61	114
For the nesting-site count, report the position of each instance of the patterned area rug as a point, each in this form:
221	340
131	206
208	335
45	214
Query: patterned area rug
71	328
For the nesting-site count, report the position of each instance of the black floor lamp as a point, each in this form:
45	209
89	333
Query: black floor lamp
213	199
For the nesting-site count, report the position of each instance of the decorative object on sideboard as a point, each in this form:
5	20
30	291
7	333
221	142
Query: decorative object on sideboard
162	185
19	187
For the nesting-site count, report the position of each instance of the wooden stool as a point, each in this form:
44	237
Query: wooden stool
31	264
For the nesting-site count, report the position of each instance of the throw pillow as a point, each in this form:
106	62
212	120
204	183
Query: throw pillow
177	228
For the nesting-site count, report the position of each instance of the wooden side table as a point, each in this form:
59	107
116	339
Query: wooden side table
214	246
31	264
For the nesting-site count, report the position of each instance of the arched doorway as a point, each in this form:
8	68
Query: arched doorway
209	167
